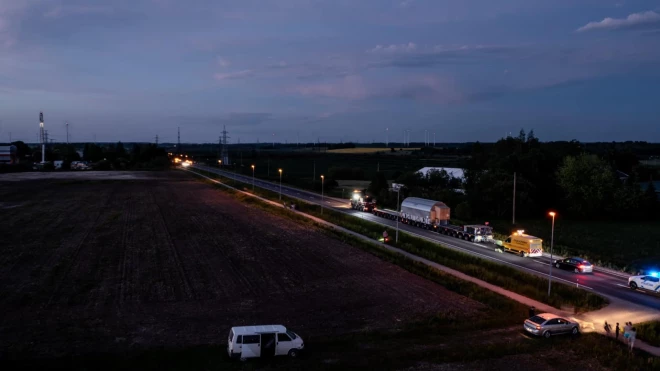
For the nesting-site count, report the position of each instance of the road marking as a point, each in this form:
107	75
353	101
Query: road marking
622	285
541	262
478	244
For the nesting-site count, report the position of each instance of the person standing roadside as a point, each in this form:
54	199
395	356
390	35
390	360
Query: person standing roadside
626	332
616	331
632	337
608	328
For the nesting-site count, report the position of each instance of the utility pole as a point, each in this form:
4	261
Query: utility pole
178	140
434	139
10	137
387	137
67	133
42	137
314	176
156	140
514	199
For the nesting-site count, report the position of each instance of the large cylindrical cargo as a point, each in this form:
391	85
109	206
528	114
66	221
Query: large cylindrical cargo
425	211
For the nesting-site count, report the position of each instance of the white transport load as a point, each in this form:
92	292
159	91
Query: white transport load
263	341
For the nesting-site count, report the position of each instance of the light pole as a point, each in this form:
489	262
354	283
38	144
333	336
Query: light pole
322	181
219	162
552	242
280	170
252	178
398	210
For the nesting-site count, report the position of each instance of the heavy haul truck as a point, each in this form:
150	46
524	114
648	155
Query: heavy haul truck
434	215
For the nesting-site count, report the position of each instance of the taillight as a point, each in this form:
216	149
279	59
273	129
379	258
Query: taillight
538	327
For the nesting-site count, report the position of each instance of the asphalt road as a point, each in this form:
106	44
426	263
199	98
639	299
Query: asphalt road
612	284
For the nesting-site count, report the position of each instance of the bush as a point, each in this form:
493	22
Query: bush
649	332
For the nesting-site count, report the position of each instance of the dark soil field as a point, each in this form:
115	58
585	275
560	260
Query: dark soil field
91	266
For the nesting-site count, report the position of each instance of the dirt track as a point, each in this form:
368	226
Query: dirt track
110	265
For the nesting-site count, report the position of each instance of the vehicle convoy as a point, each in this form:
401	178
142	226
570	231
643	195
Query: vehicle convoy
548	324
263	341
523	244
577	265
650	283
361	201
434	215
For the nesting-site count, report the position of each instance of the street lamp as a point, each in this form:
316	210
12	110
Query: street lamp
280	170
552	242
219	162
398	209
322	181
252	178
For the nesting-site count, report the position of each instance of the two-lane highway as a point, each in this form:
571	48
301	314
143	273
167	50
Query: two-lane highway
607	283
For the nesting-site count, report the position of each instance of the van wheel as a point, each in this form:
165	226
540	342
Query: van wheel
557	265
633	285
293	353
522	254
576	270
547	334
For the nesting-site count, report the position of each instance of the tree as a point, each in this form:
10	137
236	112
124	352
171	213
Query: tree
463	211
378	183
650	201
120	151
589	183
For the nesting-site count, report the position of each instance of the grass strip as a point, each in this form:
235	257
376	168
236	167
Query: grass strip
525	284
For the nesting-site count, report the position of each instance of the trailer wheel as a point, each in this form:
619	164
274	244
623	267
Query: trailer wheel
472	239
522	254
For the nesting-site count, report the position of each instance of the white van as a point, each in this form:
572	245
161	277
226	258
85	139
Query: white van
263	341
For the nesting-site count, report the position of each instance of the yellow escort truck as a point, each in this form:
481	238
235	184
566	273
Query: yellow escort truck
523	244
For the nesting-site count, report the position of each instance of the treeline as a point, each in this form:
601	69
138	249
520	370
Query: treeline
587	181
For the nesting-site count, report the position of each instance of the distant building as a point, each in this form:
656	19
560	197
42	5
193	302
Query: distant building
8	155
453	172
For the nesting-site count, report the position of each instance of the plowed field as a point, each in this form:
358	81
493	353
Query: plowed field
109	265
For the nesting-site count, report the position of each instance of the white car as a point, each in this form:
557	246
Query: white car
647	283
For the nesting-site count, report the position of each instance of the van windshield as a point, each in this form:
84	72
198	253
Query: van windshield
291	334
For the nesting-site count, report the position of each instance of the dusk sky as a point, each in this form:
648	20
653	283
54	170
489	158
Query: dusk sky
331	70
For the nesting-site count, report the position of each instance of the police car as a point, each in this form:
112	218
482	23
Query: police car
650	282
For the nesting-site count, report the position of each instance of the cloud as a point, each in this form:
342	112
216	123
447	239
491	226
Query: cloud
64	11
350	87
234	75
394	48
649	19
229	119
439	54
223	62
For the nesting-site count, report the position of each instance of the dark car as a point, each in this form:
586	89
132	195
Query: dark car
577	265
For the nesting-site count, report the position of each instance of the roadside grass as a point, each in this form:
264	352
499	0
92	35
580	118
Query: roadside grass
500	275
625	246
649	332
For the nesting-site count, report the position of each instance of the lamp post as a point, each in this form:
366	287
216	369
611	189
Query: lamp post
252	178
219	162
280	170
322	181
552	242
398	210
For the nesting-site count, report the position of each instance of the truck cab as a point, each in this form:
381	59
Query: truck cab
362	202
523	244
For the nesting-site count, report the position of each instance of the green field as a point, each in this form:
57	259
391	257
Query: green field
629	246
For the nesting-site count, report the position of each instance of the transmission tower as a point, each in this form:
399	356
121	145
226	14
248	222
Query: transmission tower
224	156
178	140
